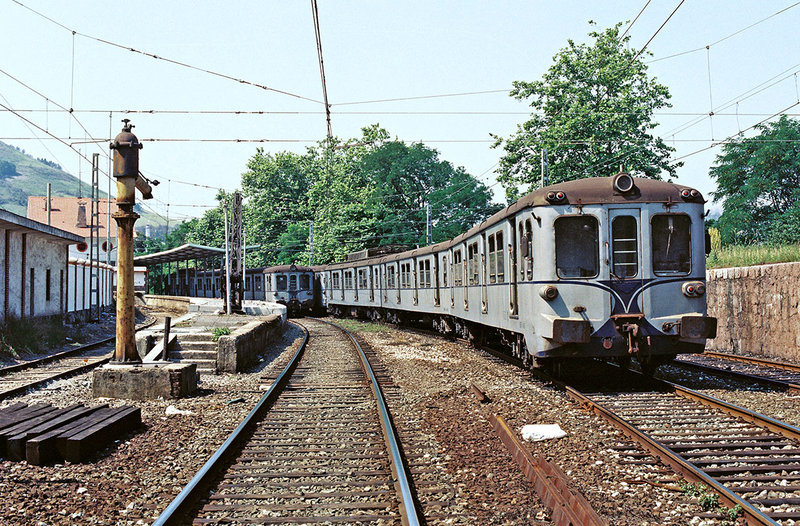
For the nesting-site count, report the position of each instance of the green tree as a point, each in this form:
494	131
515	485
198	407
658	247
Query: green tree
758	182
593	111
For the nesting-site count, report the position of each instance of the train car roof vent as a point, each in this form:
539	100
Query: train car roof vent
623	183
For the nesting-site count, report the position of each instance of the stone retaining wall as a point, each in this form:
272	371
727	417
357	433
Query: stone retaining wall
757	310
240	349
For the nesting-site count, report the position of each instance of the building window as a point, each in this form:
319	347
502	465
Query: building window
47	285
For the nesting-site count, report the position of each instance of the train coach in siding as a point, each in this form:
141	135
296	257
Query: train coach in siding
607	267
293	286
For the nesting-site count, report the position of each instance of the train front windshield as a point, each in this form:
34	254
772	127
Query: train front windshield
671	241
577	247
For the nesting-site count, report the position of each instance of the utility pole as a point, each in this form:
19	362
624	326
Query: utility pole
227	263
244	268
94	235
237	277
49	204
310	242
545	170
429	229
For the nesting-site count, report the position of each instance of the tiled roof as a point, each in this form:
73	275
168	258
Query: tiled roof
66	214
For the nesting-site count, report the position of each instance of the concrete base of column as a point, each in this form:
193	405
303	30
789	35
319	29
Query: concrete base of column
145	381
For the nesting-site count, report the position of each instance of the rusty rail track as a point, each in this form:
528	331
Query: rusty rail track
18	378
318	447
749	460
775	374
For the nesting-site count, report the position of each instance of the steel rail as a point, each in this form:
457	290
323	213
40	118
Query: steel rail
753	360
189	496
63	374
752	515
410	514
779	384
63	354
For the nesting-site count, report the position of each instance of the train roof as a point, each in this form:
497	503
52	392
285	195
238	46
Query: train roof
588	191
287	268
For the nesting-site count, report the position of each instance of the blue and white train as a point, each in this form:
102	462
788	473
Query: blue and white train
607	267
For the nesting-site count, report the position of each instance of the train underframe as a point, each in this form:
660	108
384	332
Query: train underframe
649	351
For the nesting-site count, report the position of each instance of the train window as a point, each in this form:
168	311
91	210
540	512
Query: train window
492	260
247	283
577	247
293	282
335	280
390	277
529	246
624	246
280	283
405	275
496	258
305	282
348	279
425	274
362	278
473	267
444	271
671	240
458	269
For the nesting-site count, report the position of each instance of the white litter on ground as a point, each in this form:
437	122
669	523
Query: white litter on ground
537	432
172	410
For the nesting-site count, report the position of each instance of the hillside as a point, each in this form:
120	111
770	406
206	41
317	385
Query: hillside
22	175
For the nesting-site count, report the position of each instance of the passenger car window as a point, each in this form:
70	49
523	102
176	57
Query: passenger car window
671	240
624	246
577	247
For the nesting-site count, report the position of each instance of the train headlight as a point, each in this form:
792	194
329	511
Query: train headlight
548	292
556	197
690	195
693	289
623	183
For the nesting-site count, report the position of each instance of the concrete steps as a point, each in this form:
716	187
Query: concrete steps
197	349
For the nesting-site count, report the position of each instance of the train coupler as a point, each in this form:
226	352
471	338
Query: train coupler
628	326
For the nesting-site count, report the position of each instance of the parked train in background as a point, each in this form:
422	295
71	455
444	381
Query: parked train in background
607	267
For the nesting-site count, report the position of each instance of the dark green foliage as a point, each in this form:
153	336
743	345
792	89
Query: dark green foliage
362	193
593	111
7	169
758	182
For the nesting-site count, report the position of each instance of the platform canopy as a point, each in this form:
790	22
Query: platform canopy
181	253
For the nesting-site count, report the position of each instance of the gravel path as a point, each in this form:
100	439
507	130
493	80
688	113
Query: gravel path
435	376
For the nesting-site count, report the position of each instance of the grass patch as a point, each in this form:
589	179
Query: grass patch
361	326
709	501
749	255
219	331
34	335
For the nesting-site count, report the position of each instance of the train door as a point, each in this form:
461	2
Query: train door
436	279
483	277
513	307
623	256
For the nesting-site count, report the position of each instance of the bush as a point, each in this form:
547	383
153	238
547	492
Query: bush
18	335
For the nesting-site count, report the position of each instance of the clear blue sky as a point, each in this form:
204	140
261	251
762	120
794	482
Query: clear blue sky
373	51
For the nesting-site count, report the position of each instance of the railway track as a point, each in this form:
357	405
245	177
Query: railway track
18	378
318	447
776	374
749	460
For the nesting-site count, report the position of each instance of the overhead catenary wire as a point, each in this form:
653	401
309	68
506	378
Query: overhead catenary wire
318	37
635	19
165	59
